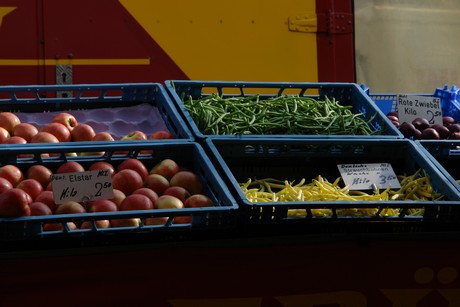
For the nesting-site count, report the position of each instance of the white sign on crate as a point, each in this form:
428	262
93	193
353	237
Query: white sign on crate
369	176
411	107
82	186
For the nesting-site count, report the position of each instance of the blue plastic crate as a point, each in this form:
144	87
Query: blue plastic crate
445	155
348	94
294	159
189	155
116	105
450	104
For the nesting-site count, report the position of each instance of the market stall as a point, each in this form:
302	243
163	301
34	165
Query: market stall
377	245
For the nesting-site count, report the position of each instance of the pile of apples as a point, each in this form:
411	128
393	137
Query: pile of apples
63	127
421	129
166	185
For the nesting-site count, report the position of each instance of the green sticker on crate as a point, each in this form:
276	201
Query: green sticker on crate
82	186
369	176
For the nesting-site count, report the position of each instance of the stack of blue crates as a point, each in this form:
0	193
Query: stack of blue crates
137	102
239	158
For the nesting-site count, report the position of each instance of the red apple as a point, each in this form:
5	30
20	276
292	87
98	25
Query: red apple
102	165
18	140
5	185
44	137
39	208
188	180
182	219
66	119
25	130
29	199
134	136
14	203
8	121
146	152
12	173
157	183
103	136
118	197
198	200
167	168
92	153
161	134
4	134
131	222
136	202
70	207
161	220
83	133
47	197
59	227
121	152
99	137
98	224
70	167
151	194
40	173
15	139
127	181
178	192
61	132
168	202
31	186
135	165
102	205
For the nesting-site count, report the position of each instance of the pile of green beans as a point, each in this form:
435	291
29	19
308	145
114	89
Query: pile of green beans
287	114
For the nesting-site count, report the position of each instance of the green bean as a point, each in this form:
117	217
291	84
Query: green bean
294	114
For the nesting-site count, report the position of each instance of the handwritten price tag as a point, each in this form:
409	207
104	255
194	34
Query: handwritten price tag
368	176
411	107
82	186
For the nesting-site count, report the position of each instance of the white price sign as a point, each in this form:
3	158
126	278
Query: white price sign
82	186
368	176
411	107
